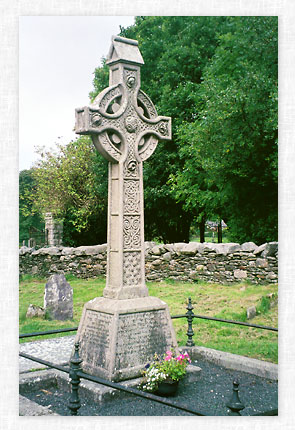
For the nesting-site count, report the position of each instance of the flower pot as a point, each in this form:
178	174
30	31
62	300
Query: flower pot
167	388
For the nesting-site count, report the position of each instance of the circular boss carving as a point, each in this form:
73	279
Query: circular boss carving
130	81
163	128
131	124
96	119
131	165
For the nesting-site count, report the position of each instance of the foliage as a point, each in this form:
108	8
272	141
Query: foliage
72	184
230	151
217	78
30	222
170	367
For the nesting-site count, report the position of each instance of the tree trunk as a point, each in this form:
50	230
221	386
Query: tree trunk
219	230
202	229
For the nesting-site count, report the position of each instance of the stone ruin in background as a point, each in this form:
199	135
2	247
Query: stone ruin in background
53	230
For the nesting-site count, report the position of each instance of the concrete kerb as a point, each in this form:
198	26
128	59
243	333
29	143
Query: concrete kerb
93	391
236	362
99	393
42	379
29	408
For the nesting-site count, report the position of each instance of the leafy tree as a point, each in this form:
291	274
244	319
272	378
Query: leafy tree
217	78
72	184
29	220
230	151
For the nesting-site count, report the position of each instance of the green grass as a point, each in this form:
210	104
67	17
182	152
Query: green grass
210	239
215	300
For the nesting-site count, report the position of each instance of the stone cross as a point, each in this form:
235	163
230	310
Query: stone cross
120	332
125	128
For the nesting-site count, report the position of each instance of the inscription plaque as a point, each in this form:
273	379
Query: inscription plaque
95	338
140	336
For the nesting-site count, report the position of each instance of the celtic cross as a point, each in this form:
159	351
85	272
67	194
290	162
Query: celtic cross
125	128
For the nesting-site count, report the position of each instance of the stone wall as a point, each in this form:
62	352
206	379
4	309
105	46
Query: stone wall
181	261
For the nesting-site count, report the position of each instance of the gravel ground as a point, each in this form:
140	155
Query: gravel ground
208	395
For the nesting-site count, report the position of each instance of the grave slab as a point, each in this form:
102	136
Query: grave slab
58	298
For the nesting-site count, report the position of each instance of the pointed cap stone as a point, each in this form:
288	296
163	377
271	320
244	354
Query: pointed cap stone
124	50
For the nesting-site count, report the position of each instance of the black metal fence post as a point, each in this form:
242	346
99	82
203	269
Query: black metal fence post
235	404
75	363
190	316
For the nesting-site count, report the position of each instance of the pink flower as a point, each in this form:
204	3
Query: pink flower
187	357
168	356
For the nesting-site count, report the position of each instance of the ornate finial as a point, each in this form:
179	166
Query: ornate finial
76	357
235	404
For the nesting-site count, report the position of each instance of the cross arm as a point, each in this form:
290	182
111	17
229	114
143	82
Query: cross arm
159	126
90	120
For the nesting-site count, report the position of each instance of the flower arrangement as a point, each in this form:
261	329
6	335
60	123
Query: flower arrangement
170	368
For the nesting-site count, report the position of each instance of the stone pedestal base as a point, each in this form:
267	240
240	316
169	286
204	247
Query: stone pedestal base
119	337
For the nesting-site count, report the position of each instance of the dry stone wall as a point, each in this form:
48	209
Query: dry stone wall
224	263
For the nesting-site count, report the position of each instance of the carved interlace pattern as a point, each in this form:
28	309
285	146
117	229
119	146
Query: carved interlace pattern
131	196
131	231
132	272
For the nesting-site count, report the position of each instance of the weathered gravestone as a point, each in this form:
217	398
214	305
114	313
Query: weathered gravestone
58	298
120	332
35	311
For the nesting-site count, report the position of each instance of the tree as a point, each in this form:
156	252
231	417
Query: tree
28	219
230	151
72	184
217	78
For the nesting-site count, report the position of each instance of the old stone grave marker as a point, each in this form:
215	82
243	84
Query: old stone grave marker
120	332
58	298
35	311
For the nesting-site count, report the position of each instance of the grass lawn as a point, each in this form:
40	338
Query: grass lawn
214	300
